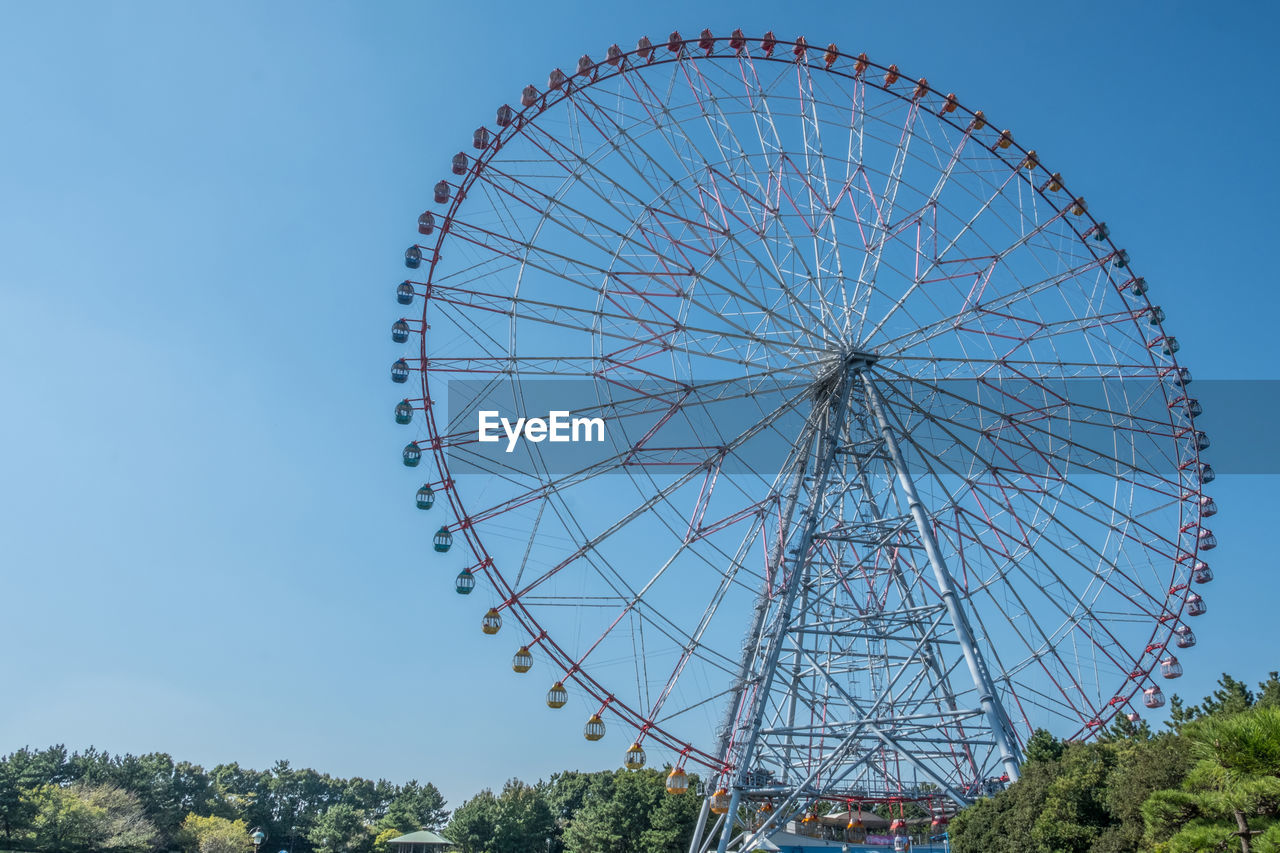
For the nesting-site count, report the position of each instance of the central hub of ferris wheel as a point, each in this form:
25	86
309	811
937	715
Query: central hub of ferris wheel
874	569
845	362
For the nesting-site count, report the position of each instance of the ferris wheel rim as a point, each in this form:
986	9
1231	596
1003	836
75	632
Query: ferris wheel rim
527	620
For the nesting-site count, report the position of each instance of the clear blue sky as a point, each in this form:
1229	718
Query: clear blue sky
204	533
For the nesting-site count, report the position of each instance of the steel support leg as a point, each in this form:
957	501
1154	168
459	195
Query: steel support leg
831	408
996	718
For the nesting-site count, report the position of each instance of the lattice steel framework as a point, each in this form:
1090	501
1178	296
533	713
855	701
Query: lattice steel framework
902	464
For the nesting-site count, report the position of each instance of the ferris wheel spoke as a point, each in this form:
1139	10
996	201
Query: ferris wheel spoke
678	267
1079	606
1151	609
729	159
710	233
993	257
661	328
996	656
1043	329
534	366
708	614
671	268
1047	647
642	405
690	642
867	226
930	204
953	160
883	207
818	200
624	594
1035	427
1018	482
550	202
946	325
1147	537
1073	609
773	150
660	496
718	125
1132	370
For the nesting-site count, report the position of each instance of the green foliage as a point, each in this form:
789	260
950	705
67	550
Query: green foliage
1179	713
1042	746
87	817
342	828
1232	790
474	824
568	792
60	819
524	820
1122	728
615	825
213	835
415	807
384	835
93	800
623	811
1269	691
1231	697
1212	782
20	772
286	803
1199	835
1004	823
671	823
1142	768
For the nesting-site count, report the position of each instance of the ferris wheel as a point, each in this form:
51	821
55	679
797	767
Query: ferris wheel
896	462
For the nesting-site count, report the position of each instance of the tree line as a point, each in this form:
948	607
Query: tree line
1208	781
55	800
621	811
78	802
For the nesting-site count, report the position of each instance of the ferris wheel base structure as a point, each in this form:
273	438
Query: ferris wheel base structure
982	512
849	438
